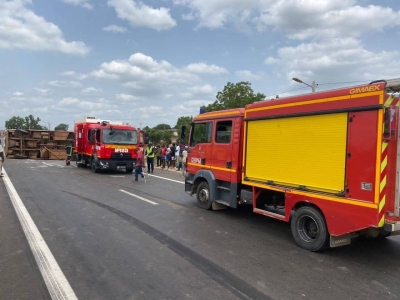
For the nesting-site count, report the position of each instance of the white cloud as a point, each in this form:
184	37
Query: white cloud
271	60
91	91
43	92
98	107
115	29
248	75
299	19
67	73
219	13
21	28
83	3
141	72
326	19
65	84
78	76
18	94
203	68
141	15
201	90
126	97
323	61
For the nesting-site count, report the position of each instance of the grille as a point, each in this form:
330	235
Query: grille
121	156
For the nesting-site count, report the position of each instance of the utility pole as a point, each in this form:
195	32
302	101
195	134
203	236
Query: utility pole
313	85
48	124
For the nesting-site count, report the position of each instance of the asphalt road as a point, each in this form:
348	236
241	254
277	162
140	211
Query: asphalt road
118	239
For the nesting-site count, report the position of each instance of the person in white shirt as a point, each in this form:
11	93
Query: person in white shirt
1	159
177	150
184	159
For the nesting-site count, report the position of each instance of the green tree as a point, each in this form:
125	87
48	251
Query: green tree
62	126
28	122
162	127
234	96
15	122
159	136
183	121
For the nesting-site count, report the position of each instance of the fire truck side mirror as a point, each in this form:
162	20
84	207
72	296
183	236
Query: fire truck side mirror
111	130
388	120
183	129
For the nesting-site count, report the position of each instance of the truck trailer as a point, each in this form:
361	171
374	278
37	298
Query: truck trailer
327	162
106	145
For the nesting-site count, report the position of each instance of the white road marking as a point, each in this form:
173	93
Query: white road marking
57	284
52	164
141	198
118	176
167	179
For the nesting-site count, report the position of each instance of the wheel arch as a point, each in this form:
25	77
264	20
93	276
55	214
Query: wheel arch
300	204
207	176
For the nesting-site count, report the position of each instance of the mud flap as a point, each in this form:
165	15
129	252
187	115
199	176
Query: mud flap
218	206
342	240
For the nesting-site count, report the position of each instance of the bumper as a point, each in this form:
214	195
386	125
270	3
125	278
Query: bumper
392	227
114	165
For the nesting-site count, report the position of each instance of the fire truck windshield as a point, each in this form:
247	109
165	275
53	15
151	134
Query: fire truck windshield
119	136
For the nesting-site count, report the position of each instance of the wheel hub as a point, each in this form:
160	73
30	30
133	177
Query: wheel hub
309	230
204	195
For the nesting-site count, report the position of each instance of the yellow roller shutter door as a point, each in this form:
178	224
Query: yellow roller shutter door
305	151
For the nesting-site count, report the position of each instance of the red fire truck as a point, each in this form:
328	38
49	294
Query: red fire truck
107	145
327	162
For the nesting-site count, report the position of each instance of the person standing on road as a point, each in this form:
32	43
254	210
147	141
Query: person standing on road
1	159
158	155
177	152
184	159
163	156
139	163
149	152
173	157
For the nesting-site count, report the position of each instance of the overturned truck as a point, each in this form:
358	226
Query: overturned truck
37	144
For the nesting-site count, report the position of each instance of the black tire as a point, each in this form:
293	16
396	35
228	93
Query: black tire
22	131
203	195
309	229
94	168
384	234
129	170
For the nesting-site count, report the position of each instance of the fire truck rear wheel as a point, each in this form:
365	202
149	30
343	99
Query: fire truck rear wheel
309	229
203	195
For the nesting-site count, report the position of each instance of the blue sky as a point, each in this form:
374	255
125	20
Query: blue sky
150	62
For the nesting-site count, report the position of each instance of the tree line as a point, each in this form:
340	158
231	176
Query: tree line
233	95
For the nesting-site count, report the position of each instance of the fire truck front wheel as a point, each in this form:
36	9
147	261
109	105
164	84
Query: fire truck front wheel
94	167
309	229
203	195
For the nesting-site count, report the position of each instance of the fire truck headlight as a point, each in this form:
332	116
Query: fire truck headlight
104	164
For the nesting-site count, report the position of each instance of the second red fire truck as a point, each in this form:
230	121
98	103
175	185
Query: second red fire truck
328	162
107	145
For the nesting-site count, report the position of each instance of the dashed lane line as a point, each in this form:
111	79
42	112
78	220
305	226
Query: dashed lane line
139	197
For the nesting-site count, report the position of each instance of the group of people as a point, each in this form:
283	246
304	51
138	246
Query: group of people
173	156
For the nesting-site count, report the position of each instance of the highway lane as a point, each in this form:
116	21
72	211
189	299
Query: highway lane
112	245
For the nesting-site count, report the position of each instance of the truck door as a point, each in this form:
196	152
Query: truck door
200	145
221	158
79	138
